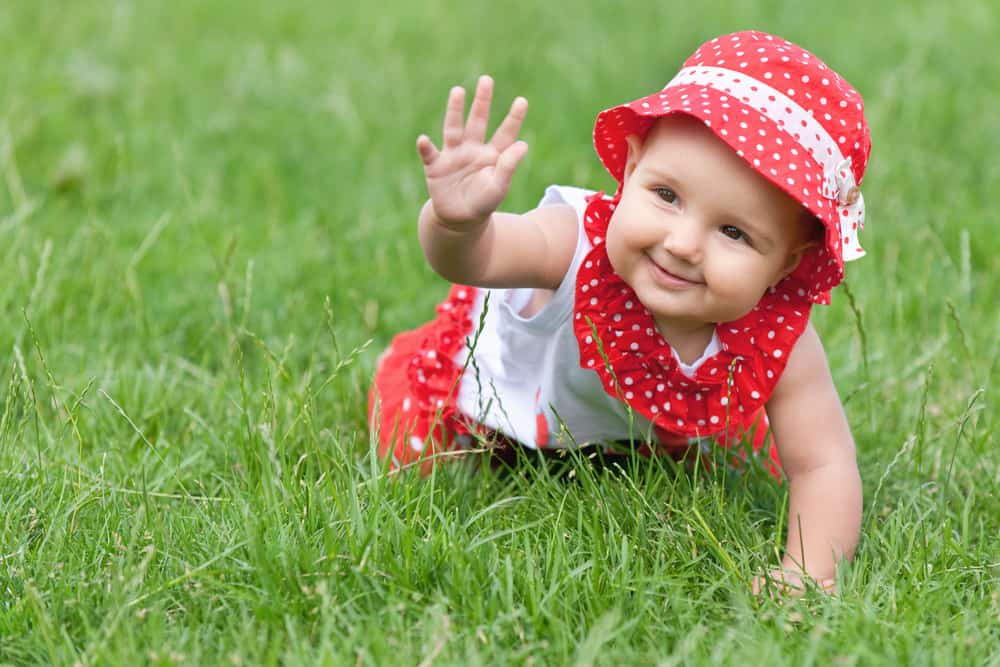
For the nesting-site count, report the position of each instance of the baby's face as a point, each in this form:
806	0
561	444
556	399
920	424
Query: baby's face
698	234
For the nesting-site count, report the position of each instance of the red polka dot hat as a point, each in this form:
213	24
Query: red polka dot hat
789	116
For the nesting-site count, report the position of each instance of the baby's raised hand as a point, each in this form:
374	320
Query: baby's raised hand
469	177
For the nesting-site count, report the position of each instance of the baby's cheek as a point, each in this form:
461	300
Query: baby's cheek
738	299
617	249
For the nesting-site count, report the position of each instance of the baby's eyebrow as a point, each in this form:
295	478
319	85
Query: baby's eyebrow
657	172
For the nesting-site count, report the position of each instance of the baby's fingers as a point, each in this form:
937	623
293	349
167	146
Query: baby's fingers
453	125
507	164
479	111
426	149
507	133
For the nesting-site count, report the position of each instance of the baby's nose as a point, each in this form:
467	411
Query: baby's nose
684	240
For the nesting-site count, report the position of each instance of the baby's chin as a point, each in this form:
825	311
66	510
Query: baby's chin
711	318
740	313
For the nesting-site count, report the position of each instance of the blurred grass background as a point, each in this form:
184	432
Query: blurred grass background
207	234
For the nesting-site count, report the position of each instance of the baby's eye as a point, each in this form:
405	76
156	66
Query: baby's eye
734	233
666	194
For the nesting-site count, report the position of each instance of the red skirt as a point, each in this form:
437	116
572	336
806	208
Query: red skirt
412	402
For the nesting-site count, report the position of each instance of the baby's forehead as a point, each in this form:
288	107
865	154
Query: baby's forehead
681	131
673	122
687	145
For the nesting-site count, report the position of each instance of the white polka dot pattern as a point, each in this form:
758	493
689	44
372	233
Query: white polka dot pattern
773	103
413	394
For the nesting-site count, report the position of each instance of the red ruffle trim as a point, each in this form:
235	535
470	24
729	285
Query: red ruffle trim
618	339
414	393
433	370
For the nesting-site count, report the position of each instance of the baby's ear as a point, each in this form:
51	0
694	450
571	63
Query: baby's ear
812	236
794	259
634	142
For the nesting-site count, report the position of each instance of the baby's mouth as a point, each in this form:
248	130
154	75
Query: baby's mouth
672	278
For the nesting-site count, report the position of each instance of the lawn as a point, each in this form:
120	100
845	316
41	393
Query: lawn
207	235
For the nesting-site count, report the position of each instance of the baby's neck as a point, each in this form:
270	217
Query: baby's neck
689	340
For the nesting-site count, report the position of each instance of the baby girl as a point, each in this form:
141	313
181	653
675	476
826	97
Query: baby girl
674	313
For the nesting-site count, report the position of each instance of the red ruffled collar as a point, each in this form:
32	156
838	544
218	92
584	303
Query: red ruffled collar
637	365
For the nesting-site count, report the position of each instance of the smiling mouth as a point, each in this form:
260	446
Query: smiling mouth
670	280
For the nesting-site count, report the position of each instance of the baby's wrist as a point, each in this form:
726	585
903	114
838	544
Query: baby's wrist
455	225
470	226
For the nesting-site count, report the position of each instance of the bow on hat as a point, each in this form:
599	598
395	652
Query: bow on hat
840	186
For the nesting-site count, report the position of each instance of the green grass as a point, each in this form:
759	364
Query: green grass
207	235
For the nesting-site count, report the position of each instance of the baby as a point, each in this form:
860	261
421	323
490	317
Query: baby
675	312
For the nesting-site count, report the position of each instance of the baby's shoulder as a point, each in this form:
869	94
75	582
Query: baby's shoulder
567	195
807	366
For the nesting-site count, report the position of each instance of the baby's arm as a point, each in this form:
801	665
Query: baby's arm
463	236
817	454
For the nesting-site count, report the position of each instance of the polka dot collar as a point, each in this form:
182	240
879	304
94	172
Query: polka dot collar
619	341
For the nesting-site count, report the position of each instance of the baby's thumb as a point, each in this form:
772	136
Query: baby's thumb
426	149
508	161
